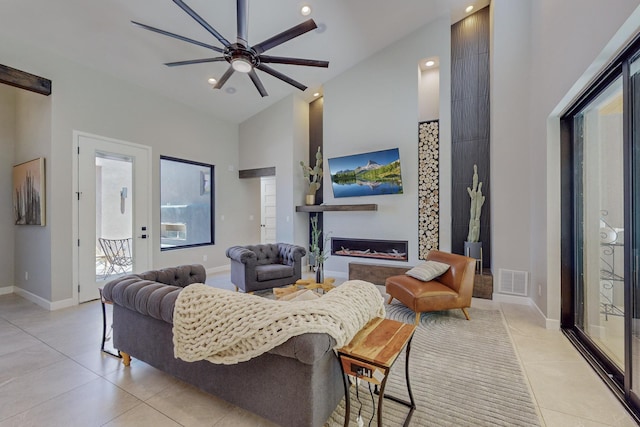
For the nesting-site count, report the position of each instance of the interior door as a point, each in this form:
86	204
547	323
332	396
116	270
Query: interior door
113	211
268	210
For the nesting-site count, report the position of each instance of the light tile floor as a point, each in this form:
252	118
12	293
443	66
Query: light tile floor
53	374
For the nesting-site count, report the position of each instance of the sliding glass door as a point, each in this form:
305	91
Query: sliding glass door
600	219
634	229
601	226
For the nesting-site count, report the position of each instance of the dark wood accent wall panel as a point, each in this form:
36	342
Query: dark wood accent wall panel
316	110
315	137
470	124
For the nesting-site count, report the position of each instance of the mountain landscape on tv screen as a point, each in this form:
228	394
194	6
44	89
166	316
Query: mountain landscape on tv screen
366	177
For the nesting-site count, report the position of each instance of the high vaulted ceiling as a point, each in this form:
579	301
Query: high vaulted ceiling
99	34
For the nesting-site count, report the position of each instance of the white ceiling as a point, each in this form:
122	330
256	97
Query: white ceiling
98	34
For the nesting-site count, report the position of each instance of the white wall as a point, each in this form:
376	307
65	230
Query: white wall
278	136
32	242
429	94
90	101
568	39
511	171
7	151
374	106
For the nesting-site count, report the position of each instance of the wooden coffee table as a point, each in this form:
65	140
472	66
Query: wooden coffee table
370	356
310	284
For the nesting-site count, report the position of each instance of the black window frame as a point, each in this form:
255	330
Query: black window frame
203	190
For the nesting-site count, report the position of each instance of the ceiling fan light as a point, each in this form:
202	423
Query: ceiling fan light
241	65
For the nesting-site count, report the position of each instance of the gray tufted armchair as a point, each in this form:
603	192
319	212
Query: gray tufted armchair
257	267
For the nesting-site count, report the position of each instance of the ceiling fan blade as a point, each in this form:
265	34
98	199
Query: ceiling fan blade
177	36
224	78
242	11
281	76
293	61
256	81
285	36
202	22
195	61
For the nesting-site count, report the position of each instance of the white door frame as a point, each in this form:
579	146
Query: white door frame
74	217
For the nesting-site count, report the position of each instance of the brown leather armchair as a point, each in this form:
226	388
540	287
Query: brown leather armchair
451	290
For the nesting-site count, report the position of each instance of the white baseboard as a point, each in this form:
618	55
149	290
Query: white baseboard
6	290
514	299
548	323
46	304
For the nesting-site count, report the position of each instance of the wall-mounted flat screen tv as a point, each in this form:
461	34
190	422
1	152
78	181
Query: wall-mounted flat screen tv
366	174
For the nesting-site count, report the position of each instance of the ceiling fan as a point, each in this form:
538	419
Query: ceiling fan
242	57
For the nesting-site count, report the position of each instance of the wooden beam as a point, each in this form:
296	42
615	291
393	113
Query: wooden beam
257	173
24	80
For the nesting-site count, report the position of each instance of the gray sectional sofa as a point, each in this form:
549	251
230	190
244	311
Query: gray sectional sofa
296	384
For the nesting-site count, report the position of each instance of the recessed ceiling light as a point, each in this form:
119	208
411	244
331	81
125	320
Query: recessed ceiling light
212	81
230	90
430	63
305	10
469	9
316	94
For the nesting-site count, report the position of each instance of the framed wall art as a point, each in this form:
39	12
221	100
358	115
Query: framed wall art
29	193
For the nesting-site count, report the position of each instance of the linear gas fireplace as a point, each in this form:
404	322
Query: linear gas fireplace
394	250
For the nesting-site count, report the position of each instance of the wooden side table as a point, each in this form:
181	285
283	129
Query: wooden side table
370	356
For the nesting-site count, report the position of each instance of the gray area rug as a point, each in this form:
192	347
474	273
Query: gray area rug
462	373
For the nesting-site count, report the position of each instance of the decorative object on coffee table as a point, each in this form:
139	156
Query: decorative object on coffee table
305	284
313	177
326	285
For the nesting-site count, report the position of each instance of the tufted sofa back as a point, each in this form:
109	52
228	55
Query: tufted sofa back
153	293
267	253
182	275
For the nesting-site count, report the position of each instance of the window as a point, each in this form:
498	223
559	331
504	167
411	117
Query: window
186	203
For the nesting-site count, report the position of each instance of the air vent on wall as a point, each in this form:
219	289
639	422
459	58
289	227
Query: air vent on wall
513	282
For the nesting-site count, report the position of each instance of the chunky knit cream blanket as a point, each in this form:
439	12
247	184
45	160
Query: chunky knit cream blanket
229	327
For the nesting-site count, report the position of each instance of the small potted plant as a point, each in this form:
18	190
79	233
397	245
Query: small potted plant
313	177
317	255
